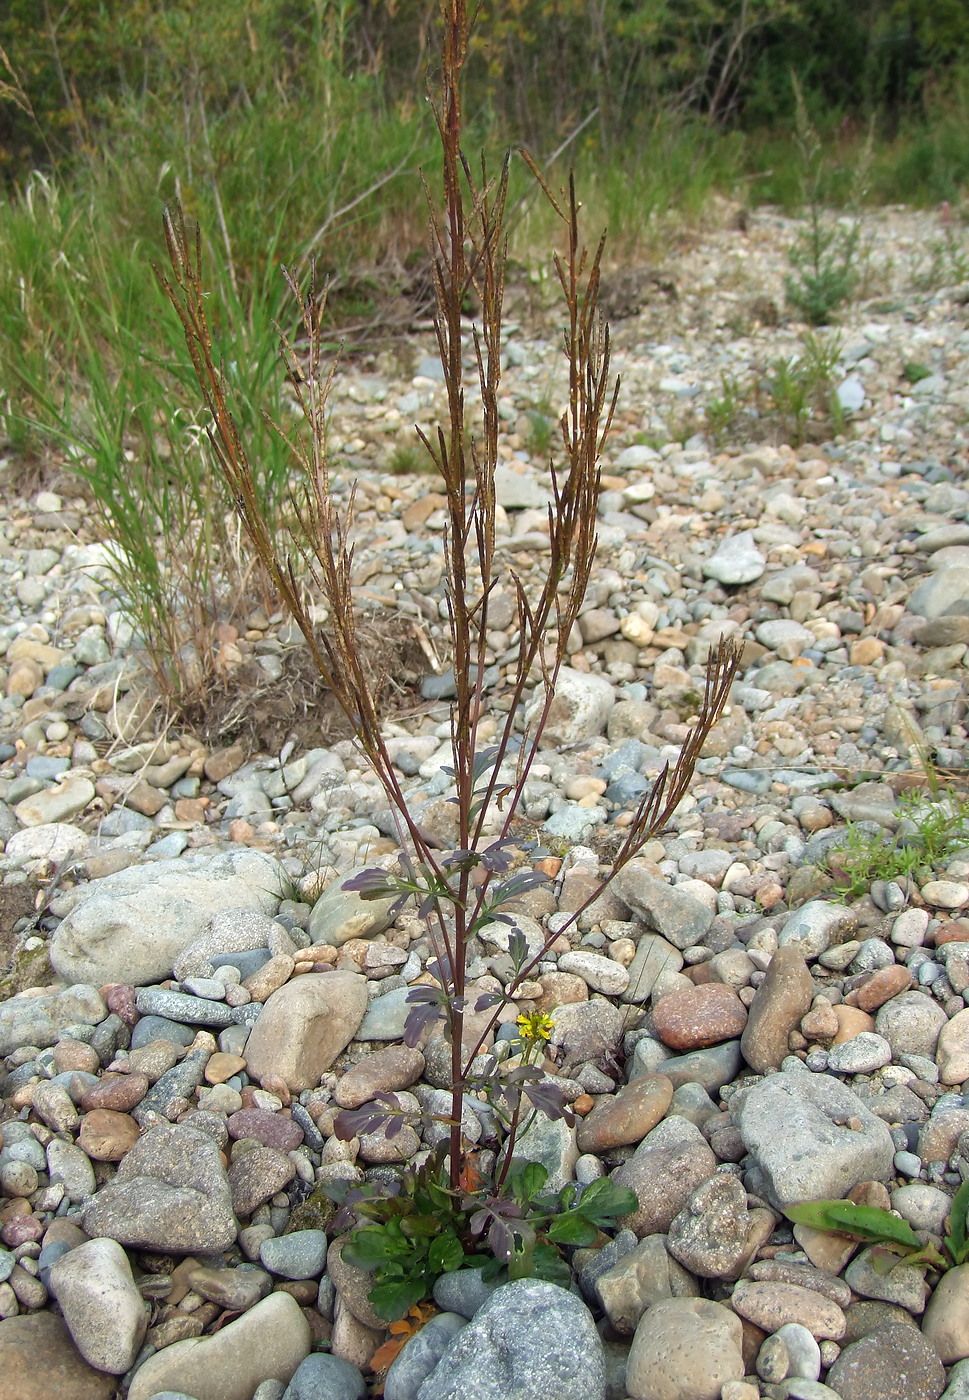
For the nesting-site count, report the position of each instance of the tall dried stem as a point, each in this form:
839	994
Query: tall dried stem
458	889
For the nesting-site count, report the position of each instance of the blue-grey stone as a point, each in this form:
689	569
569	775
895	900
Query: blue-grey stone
628	758
462	1292
60	677
76	1082
7	1262
169	846
177	1006
755	780
385	1016
40	766
179	1082
420	1355
322	1377
299	1255
247	962
27	1149
529	1341
121	820
311	1134
49	1255
151	1028
628	787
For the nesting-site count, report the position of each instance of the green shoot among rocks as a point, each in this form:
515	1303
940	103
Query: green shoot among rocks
897	1242
477	877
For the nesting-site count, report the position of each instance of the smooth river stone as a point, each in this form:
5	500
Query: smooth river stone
625	1117
772	1305
699	1016
304	1026
784	996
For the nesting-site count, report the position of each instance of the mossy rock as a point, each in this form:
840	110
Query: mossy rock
315	1213
29	967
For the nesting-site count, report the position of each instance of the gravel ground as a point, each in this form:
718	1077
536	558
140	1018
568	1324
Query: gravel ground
734	1037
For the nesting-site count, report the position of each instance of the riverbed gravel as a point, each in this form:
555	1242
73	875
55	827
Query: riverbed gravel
191	991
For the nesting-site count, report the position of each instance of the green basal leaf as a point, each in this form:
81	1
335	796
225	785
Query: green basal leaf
867	1223
603	1201
373	1246
549	1265
391	1300
445	1254
527	1182
572	1228
957	1241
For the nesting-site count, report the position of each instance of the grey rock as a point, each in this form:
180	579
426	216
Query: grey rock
322	1377
101	1304
519	490
643	1276
579	710
185	1009
653	957
711	1068
714	1235
737	560
862	1054
341	914
150	1028
911	1023
811	1137
170	1193
892	1363
529	1341
903	1284
386	1016
815	926
944	592
586	1030
299	1255
462	1292
552	1143
40	1020
664	1171
420	1355
176	1084
103	937
681	919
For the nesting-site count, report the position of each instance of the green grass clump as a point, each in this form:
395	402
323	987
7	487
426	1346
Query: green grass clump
932	829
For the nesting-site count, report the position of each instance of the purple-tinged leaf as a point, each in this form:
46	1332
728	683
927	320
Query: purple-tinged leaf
549	1099
518	884
489	999
428	1007
372	884
482	761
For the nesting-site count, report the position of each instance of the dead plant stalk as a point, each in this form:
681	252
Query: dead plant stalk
458	889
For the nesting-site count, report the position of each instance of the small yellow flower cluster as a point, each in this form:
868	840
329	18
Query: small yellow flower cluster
534	1026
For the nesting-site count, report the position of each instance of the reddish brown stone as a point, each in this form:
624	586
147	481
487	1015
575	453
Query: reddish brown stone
119	1092
626	1117
107	1136
121	1000
271	1129
881	986
21	1229
699	1016
220	764
951	931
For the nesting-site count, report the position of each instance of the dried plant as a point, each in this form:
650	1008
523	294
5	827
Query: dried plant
458	889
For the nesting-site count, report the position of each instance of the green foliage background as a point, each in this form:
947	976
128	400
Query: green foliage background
539	66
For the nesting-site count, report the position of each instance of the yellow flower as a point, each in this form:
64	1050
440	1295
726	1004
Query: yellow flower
535	1025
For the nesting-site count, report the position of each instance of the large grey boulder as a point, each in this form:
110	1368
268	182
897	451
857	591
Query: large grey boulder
811	1137
132	926
530	1340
